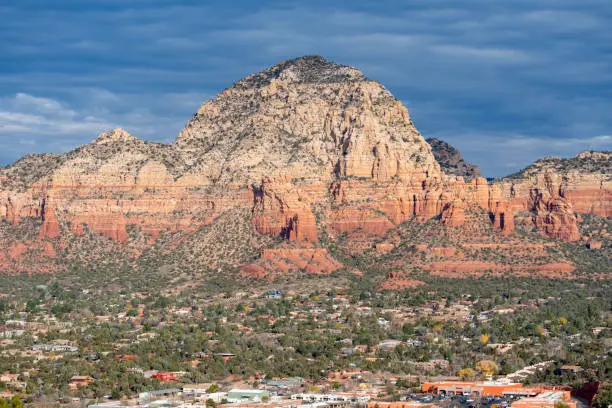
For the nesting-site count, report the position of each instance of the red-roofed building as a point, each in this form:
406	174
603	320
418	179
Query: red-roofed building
165	376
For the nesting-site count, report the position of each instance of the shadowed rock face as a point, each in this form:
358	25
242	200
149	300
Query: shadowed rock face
302	147
450	159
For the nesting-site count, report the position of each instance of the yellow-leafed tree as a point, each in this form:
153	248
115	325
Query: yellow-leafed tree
487	367
467	373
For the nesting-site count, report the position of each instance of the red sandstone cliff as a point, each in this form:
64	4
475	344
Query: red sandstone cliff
304	139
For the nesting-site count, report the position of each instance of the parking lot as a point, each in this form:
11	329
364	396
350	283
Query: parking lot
460	401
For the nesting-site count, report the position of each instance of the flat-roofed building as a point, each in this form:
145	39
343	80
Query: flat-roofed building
238	395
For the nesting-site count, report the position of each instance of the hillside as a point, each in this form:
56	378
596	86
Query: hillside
583	163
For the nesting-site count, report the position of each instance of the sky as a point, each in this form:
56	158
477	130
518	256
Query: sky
505	81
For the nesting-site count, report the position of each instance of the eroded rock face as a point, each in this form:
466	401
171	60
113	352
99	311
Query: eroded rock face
50	227
279	210
503	218
303	145
552	190
453	214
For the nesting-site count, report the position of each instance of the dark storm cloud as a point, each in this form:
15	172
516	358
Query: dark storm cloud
506	82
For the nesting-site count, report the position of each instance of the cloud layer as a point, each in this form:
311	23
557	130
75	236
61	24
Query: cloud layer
506	82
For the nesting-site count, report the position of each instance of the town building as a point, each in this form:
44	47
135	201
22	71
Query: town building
165	376
239	395
199	392
570	369
8	377
55	348
79	381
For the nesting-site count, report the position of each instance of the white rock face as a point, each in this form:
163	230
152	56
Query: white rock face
307	118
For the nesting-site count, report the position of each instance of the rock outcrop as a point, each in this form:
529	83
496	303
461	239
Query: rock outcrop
450	159
50	226
453	214
399	281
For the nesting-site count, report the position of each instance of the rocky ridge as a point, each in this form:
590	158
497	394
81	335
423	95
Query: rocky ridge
313	152
450	159
552	190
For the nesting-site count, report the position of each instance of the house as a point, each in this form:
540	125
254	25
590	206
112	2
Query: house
8	378
155	396
6	394
385	324
127	357
274	294
79	381
226	356
55	348
196	390
432	365
16	323
501	348
389	345
9	334
570	369
199	392
146	336
361	348
286	383
165	376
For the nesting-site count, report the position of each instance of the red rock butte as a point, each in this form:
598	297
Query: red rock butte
304	146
